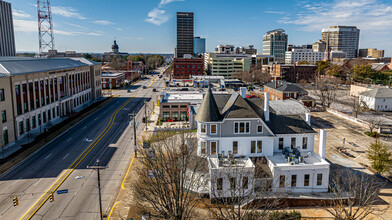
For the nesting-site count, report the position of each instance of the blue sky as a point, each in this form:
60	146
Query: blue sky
149	25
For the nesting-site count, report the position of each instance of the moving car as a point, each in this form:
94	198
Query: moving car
144	87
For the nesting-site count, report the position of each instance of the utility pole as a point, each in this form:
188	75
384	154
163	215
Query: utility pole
97	167
134	134
145	113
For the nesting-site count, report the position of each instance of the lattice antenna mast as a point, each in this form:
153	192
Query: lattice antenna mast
45	26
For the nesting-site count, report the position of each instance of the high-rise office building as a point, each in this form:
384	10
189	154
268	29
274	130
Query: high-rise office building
342	38
200	45
275	43
7	38
184	34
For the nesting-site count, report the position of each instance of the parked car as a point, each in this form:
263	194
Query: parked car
154	89
144	87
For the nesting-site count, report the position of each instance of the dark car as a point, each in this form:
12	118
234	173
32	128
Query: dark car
144	87
154	89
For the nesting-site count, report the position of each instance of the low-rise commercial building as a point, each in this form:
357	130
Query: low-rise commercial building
246	50
225	49
112	80
226	64
281	90
184	68
35	91
297	55
294	73
319	46
371	53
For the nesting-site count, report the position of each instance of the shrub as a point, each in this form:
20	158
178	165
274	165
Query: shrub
293	215
373	134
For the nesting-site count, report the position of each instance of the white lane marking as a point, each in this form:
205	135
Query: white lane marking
16	181
37	182
68	139
65	156
84	127
47	156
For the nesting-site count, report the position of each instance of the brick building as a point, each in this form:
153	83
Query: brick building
112	80
281	90
294	73
139	66
184	68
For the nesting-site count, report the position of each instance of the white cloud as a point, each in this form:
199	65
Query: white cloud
157	16
20	14
28	26
77	26
367	15
25	25
103	22
165	2
67	12
119	29
275	12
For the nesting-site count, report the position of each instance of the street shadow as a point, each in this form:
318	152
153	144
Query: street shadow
134	87
339	170
320	123
57	155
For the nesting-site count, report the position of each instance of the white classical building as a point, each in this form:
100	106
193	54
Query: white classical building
298	55
233	129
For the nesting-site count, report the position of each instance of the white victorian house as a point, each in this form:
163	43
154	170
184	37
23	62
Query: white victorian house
235	132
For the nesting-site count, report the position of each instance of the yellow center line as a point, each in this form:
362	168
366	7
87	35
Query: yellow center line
85	152
153	80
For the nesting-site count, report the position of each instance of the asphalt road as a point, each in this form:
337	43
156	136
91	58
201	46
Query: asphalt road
104	135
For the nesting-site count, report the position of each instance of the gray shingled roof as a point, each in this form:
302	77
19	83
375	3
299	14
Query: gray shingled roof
378	93
285	86
288	124
281	121
221	100
25	65
208	110
237	107
288	107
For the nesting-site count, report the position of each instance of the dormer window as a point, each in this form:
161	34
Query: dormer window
203	128
241	127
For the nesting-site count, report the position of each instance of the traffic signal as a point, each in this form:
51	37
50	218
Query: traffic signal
51	197
16	201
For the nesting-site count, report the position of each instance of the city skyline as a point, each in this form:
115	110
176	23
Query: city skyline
91	27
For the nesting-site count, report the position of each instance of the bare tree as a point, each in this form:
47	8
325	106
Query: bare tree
169	175
254	75
116	63
326	91
356	195
373	122
239	191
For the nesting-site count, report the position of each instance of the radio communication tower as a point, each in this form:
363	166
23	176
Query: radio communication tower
45	26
